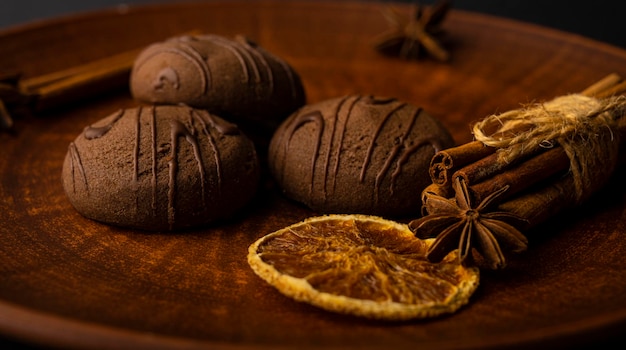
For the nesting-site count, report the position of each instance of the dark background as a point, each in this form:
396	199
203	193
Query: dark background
602	20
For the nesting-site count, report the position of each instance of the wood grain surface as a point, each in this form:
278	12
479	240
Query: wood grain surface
71	282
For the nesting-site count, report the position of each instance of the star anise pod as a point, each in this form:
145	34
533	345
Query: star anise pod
457	224
9	95
409	37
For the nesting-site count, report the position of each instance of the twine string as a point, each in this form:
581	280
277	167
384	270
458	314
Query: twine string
584	126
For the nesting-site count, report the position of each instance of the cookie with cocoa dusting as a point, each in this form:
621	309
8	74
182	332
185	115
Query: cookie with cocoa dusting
357	154
160	168
231	78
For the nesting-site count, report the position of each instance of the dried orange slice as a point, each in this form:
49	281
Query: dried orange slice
361	265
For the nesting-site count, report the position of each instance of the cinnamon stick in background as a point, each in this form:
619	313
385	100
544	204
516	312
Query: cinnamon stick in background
72	84
65	86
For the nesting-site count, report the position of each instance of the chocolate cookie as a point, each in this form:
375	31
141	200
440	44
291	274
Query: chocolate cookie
357	154
231	78
160	168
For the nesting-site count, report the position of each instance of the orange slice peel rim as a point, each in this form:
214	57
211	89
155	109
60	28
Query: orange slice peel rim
298	288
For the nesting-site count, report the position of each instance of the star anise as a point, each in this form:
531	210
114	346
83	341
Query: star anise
409	37
457	224
9	96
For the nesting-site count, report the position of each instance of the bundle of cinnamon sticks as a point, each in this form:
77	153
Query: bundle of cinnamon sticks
543	173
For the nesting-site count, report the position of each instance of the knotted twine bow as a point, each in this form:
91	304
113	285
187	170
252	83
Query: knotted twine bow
586	128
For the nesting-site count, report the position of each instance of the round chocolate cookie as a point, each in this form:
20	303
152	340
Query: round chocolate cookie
231	78
357	154
160	168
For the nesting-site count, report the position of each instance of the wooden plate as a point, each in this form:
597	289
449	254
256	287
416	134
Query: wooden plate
68	281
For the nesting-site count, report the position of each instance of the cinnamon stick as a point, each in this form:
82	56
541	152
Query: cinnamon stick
446	162
441	191
94	78
74	83
543	166
483	168
32	85
615	90
602	85
538	206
